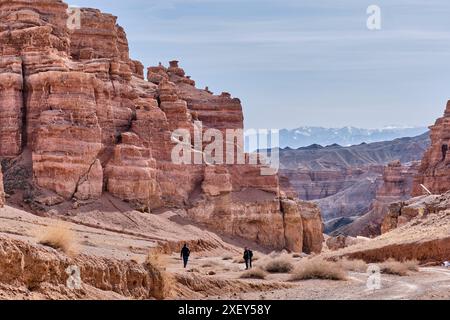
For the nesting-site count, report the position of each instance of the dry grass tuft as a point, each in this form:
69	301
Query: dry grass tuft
279	265
256	273
353	265
210	264
398	268
412	265
163	282
318	269
58	236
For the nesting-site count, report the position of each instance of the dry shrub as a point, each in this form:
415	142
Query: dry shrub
318	269
279	265
210	264
412	265
162	281
353	265
256	273
58	236
226	258
394	267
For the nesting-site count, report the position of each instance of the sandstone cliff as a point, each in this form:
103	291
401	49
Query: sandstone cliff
81	120
434	172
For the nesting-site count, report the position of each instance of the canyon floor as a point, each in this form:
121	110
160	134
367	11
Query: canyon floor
118	238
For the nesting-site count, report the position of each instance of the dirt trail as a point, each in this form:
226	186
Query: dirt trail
429	283
215	267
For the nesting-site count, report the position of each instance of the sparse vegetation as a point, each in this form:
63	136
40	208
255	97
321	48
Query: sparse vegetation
412	265
279	265
394	267
256	273
318	269
352	265
58	236
210	264
162	280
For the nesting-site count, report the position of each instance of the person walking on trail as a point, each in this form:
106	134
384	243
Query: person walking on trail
248	255
185	253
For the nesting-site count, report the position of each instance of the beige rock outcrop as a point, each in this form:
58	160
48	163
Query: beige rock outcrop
44	270
343	241
400	213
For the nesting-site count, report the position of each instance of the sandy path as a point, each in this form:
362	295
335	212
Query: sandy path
429	283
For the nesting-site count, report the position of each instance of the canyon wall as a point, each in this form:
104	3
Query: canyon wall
344	181
2	192
396	185
80	118
434	172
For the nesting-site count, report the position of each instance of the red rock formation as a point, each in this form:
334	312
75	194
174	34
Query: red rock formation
131	173
312	227
2	192
434	172
76	100
293	225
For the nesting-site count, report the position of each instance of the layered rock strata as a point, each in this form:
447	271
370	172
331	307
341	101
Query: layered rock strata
434	173
2	192
396	185
80	106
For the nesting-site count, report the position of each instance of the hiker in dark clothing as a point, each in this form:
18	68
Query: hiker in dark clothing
248	255
185	252
444	151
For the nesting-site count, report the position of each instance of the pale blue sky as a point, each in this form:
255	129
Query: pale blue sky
302	63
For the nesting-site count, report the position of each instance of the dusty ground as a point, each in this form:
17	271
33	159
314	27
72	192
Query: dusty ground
215	268
428	283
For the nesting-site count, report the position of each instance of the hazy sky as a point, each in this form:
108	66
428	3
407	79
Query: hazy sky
303	62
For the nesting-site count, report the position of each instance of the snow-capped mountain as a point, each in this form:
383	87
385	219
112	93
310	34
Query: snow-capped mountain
306	136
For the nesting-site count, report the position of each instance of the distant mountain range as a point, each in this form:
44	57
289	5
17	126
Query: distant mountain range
343	181
347	136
